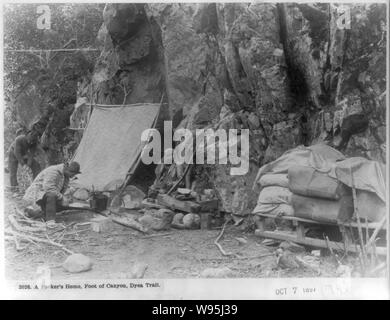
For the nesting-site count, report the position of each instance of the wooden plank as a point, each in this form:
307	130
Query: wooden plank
300	231
260	224
311	241
174	204
205	221
371	225
265	215
209	205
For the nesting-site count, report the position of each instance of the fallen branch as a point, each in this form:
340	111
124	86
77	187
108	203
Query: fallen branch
241	258
256	257
33	238
17	245
20	228
224	253
15	240
131	223
20	212
157	235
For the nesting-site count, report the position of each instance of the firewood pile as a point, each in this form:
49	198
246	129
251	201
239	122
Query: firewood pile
27	234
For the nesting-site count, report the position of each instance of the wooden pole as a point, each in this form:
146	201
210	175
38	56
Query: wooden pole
180	180
356	212
376	231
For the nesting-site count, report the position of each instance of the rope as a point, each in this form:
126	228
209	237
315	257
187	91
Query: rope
50	50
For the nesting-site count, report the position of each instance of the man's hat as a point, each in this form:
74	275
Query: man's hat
74	167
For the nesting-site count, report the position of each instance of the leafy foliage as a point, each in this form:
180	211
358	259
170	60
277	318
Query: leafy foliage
73	24
46	81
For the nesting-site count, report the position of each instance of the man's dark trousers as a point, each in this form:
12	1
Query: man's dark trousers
50	204
13	164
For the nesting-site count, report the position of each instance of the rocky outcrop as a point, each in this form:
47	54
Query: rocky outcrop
343	65
291	73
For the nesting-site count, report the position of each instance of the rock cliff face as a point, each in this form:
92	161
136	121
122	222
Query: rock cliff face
291	73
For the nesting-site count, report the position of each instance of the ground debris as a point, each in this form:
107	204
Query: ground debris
219	245
216	272
241	240
23	229
138	270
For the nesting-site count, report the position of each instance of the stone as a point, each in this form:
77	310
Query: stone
241	241
254	122
166	220
148	221
191	221
138	270
223	272
316	253
160	213
381	133
77	262
157	220
328	122
240	201
81	194
132	197
337	120
178	218
101	224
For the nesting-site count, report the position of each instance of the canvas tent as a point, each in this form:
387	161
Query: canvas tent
111	144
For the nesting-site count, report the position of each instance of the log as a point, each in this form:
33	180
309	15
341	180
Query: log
131	223
174	204
209	205
313	242
147	204
158	235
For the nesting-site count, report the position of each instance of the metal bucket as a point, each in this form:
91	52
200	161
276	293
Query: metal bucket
98	202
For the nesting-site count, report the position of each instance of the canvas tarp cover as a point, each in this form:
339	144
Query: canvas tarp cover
368	175
319	156
111	144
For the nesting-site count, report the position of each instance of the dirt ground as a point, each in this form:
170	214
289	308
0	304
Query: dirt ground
167	254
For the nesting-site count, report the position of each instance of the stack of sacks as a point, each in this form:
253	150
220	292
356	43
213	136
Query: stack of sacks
275	197
319	181
318	196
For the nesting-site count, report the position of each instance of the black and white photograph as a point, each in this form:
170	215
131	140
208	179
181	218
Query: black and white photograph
180	150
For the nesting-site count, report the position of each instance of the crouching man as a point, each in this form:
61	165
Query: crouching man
48	188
